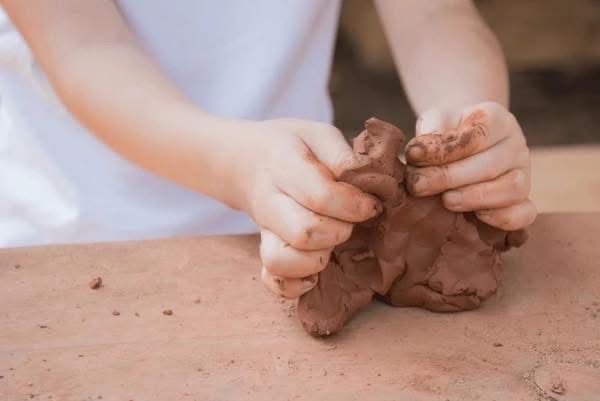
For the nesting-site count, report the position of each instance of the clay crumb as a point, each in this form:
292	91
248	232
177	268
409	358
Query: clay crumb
43	326
332	347
497	344
116	313
198	300
167	312
558	387
137	314
96	283
17	266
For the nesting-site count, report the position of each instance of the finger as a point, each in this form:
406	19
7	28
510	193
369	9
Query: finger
510	218
435	121
288	287
298	226
481	167
508	189
481	127
314	187
329	147
281	259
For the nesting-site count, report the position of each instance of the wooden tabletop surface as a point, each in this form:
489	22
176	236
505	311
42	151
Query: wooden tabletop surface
229	339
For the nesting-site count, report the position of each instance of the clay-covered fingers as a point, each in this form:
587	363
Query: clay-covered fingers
485	166
510	218
281	259
288	287
508	189
296	225
480	127
314	187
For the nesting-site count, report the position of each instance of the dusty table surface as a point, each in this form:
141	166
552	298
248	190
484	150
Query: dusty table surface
229	339
560	170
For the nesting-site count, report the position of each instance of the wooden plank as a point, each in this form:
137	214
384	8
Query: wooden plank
228	339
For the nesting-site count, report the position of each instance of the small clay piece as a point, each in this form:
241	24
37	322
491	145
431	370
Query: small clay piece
116	312
96	283
414	253
497	344
167	312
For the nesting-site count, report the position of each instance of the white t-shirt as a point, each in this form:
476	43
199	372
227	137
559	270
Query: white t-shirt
249	59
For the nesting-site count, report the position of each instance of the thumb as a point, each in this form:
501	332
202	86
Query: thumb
436	121
431	122
330	147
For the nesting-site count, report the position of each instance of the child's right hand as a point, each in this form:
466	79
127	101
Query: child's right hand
287	171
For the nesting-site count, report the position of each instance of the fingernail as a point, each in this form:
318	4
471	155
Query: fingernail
416	152
417	182
452	199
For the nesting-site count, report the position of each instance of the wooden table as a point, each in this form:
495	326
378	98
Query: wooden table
228	339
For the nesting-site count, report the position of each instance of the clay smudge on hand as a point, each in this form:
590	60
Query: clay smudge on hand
454	144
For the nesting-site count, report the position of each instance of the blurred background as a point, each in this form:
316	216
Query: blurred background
553	51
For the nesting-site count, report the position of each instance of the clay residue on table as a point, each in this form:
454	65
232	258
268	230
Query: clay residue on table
414	253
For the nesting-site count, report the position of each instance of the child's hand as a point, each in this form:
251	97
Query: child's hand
288	170
478	158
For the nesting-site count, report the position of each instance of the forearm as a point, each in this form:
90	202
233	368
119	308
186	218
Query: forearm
446	55
109	84
121	97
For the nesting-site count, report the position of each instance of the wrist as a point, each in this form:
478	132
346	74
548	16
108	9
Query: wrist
221	166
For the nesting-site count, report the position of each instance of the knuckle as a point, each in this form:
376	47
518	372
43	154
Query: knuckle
302	235
319	198
521	141
269	258
511	119
519	184
446	177
531	213
480	194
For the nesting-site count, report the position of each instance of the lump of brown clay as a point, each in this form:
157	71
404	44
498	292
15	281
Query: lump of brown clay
414	253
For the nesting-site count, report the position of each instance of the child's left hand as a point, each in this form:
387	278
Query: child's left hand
479	159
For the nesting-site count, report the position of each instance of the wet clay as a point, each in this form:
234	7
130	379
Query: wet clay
414	253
